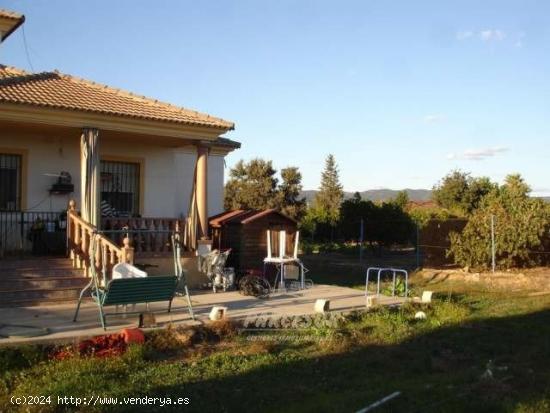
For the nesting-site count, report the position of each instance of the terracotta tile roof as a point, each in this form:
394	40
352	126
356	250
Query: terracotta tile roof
10	14
60	91
15	20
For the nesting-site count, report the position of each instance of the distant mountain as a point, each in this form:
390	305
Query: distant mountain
380	194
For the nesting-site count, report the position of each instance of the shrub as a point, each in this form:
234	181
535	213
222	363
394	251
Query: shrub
521	224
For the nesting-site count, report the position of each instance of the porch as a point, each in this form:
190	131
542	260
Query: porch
155	185
58	318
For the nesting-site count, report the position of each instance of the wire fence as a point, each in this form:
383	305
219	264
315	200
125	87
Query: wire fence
404	242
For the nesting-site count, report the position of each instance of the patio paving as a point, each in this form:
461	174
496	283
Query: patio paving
58	318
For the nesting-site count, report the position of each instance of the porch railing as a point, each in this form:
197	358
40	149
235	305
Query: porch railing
80	235
37	232
148	236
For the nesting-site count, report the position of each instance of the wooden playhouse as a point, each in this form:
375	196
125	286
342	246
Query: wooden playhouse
245	232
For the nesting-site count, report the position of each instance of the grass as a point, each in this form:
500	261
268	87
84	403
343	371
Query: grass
477	351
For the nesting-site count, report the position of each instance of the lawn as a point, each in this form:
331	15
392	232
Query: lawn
477	351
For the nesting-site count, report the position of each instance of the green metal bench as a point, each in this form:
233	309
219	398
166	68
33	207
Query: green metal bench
143	290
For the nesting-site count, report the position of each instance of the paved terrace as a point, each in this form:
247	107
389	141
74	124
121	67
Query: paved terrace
58	318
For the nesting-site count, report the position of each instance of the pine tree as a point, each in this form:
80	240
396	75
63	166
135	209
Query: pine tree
289	193
330	195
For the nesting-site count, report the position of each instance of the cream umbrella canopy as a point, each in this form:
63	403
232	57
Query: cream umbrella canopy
90	177
191	224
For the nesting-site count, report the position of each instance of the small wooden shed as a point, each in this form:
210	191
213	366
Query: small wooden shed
245	232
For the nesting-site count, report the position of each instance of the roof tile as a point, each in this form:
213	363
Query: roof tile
60	91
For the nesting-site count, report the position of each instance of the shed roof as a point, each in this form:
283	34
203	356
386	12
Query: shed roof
240	216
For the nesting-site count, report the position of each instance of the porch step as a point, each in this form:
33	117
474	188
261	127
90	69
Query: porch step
41	283
38	268
40	302
40	273
34	263
16	298
30	282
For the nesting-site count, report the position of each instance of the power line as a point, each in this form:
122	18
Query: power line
26	48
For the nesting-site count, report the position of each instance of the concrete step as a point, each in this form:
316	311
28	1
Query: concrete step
39	302
42	273
16	298
41	283
34	264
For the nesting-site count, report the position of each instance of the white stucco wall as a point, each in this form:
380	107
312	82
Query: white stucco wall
168	172
46	155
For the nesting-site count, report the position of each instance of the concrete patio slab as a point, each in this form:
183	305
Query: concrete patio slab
58	318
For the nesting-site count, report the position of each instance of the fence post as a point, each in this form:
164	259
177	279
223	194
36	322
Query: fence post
417	246
22	230
493	242
361	236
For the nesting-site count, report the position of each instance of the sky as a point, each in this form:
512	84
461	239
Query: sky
401	92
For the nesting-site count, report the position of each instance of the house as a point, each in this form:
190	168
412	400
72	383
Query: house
119	155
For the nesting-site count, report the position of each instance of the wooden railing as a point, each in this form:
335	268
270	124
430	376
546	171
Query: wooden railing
80	235
149	236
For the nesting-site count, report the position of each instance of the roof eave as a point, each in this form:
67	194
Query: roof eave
21	112
19	22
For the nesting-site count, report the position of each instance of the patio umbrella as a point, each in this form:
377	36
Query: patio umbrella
90	190
191	225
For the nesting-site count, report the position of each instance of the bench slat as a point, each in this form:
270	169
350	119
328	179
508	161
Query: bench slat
140	290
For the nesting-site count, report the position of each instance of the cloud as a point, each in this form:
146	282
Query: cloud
489	36
434	118
464	34
519	40
492	35
478	154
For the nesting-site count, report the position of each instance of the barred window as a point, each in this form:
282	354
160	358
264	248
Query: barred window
120	187
10	182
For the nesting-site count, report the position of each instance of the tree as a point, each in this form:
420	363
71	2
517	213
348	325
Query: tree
330	196
515	186
251	185
384	224
401	199
460	193
478	188
289	193
521	224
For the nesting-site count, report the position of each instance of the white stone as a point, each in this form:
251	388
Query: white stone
218	313
421	315
426	297
321	305
372	301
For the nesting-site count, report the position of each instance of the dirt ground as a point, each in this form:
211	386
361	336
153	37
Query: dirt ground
536	280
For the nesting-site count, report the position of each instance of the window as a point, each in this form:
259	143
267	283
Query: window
10	182
120	187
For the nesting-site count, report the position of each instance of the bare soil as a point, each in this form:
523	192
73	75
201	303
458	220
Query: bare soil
536	280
